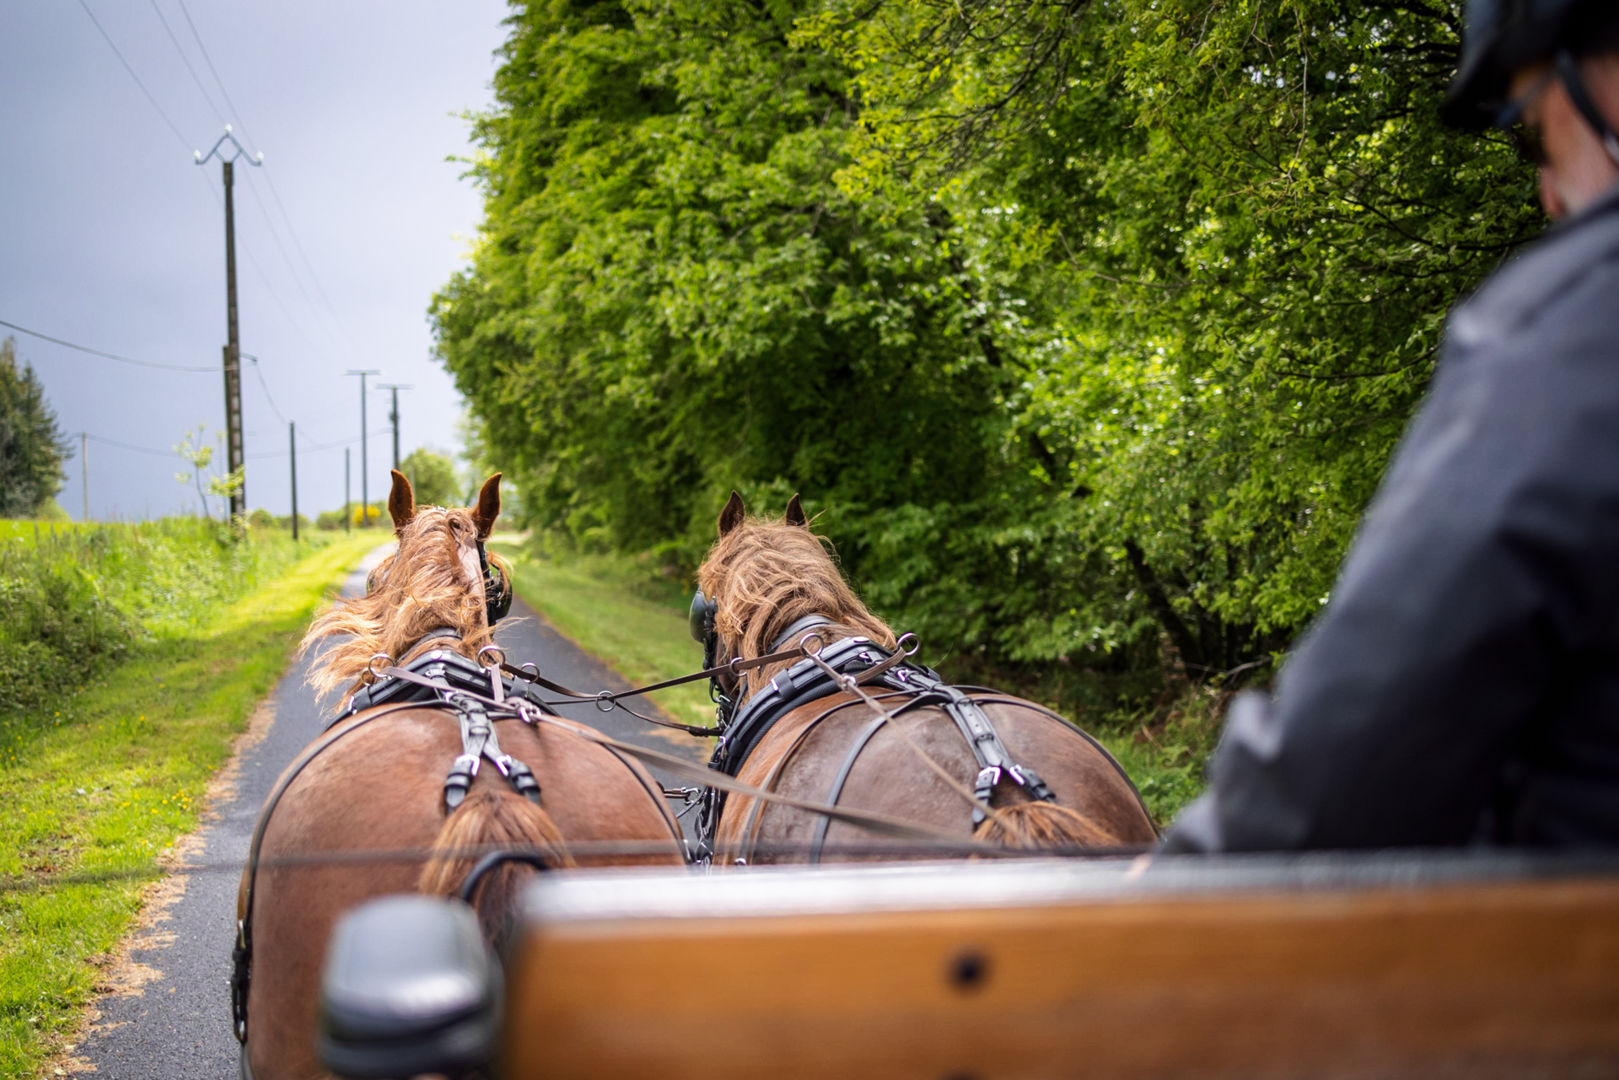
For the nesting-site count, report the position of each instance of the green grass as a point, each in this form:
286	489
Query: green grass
102	780
1165	750
13	528
619	612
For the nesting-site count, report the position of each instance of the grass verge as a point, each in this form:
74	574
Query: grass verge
613	610
105	778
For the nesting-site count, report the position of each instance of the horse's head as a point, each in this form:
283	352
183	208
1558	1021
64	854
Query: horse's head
764	574
435	540
440	577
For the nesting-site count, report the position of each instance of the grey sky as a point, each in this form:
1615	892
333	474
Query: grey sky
111	237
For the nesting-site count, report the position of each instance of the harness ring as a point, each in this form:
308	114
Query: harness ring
492	648
604	701
820	644
371	666
911	649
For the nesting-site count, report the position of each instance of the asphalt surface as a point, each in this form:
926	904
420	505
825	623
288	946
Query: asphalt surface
170	1020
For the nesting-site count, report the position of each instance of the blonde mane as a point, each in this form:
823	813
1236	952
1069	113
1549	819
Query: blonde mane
765	574
420	588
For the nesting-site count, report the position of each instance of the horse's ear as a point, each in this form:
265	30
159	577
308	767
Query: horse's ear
401	501
488	508
732	515
795	513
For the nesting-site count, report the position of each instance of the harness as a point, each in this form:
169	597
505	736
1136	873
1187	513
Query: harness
438	678
867	663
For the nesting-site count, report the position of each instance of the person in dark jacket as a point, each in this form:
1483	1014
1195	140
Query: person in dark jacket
1462	685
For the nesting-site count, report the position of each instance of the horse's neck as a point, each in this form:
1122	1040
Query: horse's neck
829	632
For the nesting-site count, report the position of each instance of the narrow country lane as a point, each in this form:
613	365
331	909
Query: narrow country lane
168	1014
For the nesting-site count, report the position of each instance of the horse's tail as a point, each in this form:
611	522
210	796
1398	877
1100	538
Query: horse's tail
486	821
1042	825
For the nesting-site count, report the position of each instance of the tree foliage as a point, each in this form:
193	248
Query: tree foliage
432	478
1090	325
32	448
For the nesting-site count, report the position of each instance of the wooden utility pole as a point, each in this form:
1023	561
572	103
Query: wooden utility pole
365	492
233	349
84	471
393	416
347	514
292	445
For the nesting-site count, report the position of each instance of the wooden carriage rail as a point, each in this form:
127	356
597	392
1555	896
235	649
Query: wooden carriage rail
1321	965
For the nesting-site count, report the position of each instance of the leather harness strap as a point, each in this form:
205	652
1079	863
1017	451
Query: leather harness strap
400	688
815	677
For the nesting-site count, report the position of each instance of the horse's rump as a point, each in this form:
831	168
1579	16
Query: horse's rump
362	818
805	752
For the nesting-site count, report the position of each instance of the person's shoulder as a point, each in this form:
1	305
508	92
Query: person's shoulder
1568	273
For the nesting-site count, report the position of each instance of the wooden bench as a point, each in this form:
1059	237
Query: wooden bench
1319	965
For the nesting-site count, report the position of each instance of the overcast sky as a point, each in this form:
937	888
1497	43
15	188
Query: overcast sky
112	237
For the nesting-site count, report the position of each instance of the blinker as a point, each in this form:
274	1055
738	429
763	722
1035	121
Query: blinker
701	623
497	591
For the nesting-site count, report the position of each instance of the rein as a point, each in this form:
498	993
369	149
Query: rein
607	700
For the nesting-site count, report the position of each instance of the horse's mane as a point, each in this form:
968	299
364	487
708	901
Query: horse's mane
420	588
765	574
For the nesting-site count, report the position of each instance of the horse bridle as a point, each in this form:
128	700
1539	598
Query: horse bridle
497	590
701	619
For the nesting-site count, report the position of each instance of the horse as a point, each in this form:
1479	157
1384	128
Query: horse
368	809
985	766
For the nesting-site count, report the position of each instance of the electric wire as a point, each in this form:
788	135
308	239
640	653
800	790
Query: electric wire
267	396
337	320
269	179
169	453
111	45
186	60
110	356
275	235
317	448
264	279
234	111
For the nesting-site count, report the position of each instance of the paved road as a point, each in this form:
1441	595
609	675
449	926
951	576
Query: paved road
169	1016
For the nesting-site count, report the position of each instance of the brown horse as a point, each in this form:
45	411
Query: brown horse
765	585
366	814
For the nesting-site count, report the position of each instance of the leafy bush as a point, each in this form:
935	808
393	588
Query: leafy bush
76	600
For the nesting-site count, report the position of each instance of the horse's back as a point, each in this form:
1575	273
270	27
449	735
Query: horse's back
917	767
358	821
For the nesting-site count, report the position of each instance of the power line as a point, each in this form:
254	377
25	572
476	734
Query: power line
260	373
337	320
169	453
275	193
234	111
107	355
184	59
314	448
264	278
108	39
275	235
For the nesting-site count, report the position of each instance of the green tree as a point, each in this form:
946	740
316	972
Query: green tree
1090	325
32	448
432	478
1237	227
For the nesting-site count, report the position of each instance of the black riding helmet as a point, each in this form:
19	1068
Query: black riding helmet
1505	36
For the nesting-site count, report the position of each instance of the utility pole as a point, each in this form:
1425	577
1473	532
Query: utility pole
233	349
292	444
84	471
365	491
347	513
394	415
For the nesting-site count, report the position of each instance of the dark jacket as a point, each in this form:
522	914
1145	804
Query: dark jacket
1462	684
